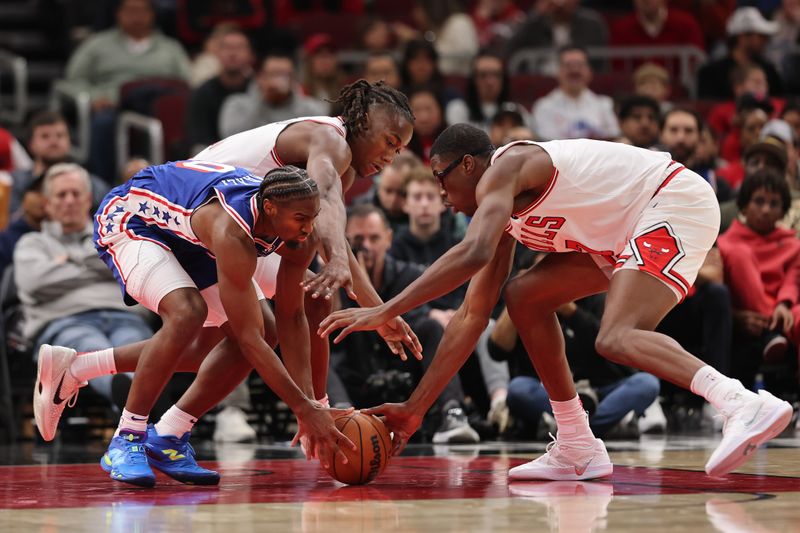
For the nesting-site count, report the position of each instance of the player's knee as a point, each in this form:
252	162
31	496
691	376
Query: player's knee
611	345
517	300
526	297
186	314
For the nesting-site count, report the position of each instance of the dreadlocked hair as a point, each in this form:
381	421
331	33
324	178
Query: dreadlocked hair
354	101
286	183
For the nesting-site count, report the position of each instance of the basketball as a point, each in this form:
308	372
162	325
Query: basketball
373	445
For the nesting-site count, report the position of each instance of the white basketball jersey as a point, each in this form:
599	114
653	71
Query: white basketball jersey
254	149
594	198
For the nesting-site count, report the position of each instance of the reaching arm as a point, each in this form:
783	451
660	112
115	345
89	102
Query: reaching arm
465	327
328	159
450	271
396	332
236	263
290	316
458	342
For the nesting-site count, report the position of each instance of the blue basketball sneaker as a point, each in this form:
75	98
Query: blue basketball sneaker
126	461
175	457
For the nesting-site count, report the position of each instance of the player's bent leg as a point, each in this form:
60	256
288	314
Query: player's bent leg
636	303
221	372
626	337
183	312
532	299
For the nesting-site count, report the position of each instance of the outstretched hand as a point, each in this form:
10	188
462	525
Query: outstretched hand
316	427
334	274
397	334
400	420
355	319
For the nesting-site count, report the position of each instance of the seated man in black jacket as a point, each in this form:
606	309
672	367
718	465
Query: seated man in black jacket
367	368
430	233
619	389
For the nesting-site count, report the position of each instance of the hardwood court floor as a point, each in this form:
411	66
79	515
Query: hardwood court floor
657	485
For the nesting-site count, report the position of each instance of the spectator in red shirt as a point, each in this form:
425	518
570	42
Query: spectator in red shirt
654	24
762	265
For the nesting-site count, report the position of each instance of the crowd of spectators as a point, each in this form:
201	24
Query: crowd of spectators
732	120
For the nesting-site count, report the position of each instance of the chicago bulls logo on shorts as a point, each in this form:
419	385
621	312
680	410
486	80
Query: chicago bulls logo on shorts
657	250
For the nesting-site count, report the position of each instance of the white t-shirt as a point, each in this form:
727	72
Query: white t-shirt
558	116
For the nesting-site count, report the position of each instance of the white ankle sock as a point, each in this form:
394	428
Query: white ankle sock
572	422
722	392
93	364
132	421
175	422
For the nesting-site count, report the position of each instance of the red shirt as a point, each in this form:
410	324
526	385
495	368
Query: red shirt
777	255
732	173
680	28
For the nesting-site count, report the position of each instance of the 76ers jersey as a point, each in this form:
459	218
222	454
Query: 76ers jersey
157	204
254	149
594	198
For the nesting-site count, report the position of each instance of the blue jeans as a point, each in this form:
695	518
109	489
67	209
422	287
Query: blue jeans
527	400
96	330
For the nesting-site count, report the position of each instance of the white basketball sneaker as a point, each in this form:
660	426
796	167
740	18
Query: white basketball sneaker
757	419
566	462
55	388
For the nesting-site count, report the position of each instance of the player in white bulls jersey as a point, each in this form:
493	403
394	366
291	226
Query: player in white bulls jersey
641	225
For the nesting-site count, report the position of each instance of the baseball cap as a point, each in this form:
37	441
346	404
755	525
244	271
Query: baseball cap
771	145
750	20
780	129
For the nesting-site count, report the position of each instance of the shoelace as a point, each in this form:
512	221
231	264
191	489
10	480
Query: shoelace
73	399
552	444
136	454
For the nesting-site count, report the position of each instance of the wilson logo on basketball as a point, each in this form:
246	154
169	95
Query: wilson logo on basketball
375	463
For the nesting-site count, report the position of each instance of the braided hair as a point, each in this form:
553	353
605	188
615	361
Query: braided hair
286	183
355	99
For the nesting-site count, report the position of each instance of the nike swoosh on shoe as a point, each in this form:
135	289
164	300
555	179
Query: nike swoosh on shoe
579	471
57	399
755	415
